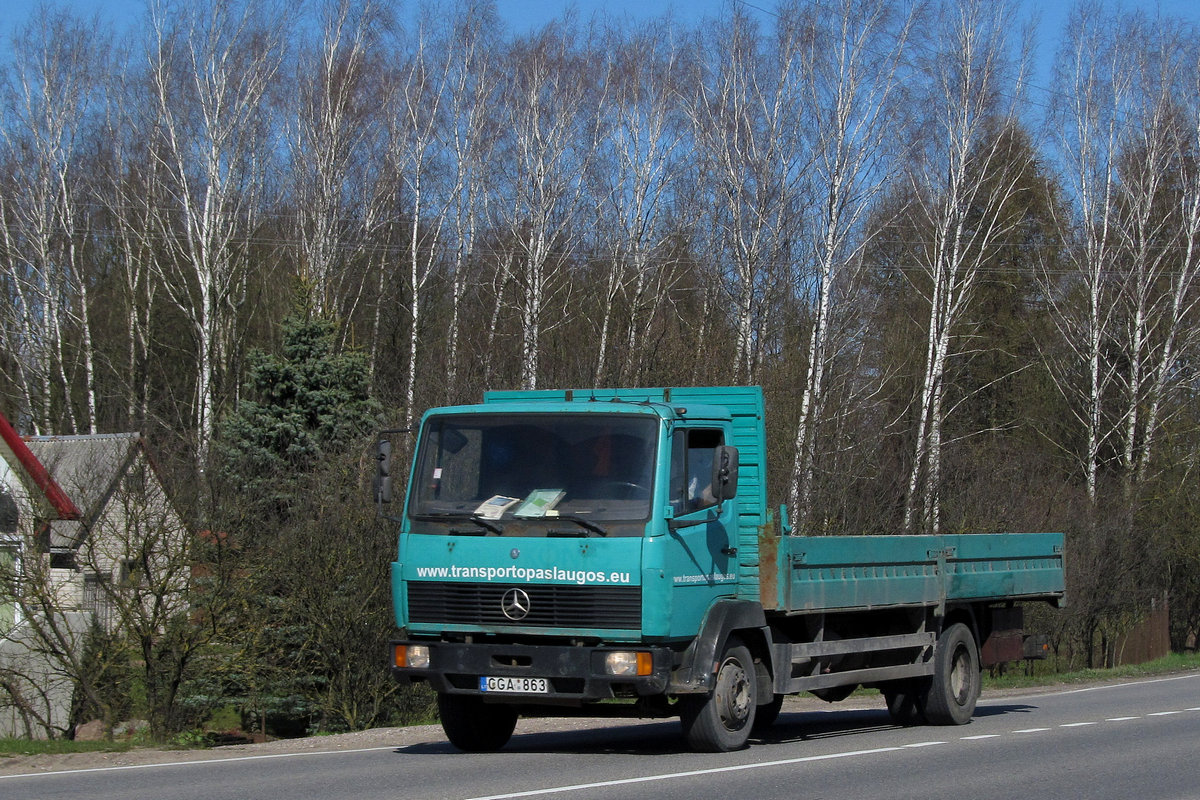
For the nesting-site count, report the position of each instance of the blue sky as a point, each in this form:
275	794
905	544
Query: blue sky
518	13
531	13
523	15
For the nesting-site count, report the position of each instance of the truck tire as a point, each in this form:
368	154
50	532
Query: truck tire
956	678
722	721
474	726
906	702
766	714
835	694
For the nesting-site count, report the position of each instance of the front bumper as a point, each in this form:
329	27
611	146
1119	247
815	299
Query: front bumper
575	674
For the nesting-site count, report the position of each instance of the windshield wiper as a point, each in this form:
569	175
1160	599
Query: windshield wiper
438	516
582	522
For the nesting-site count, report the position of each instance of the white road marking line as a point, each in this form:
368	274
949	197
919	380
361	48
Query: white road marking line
581	787
606	783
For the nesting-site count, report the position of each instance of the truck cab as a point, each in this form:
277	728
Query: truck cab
563	549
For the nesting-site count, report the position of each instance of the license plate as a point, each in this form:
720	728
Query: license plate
515	685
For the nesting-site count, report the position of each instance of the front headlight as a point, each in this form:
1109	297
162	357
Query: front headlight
624	663
413	656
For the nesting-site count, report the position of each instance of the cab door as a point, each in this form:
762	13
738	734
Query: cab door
701	558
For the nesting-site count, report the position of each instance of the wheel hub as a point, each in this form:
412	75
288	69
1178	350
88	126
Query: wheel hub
733	695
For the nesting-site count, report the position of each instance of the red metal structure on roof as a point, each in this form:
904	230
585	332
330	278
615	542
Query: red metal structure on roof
13	447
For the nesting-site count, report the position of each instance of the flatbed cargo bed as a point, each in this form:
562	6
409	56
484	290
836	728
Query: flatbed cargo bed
845	573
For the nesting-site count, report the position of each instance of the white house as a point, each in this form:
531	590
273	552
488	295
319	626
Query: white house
83	521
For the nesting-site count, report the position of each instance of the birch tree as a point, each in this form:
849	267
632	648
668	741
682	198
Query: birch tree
1115	145
852	78
211	67
417	138
753	143
960	185
131	192
1157	228
547	152
642	157
1180	340
1092	114
473	83
330	143
51	91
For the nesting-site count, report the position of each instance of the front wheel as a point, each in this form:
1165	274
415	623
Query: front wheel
766	714
722	721
956	678
474	726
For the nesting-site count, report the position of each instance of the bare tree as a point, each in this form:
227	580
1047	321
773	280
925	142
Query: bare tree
58	66
131	192
961	183
1091	113
330	140
211	66
643	152
851	84
417	137
1180	337
473	84
754	148
1157	226
546	155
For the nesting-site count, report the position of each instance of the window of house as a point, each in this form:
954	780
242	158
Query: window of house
62	559
97	599
131	573
8	512
10	561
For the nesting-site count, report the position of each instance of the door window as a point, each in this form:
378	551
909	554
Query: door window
692	455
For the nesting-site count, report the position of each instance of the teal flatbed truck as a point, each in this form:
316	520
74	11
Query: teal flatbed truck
608	552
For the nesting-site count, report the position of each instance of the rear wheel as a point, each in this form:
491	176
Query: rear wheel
906	702
474	726
956	678
722	721
835	694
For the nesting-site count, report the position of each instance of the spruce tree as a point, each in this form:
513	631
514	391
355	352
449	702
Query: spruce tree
304	406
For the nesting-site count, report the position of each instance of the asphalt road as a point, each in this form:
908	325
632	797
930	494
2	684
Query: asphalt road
1137	740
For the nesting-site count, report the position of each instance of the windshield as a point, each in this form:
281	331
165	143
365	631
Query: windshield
534	474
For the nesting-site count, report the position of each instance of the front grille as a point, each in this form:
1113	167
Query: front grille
550	606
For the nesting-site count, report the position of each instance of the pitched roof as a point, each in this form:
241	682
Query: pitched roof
71	478
88	469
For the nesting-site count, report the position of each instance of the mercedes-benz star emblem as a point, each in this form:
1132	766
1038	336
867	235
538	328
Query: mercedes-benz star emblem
515	604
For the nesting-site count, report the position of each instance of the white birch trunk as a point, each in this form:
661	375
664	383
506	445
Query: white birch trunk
970	175
228	65
854	114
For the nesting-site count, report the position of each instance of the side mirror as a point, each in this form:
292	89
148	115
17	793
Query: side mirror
383	471
725	473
